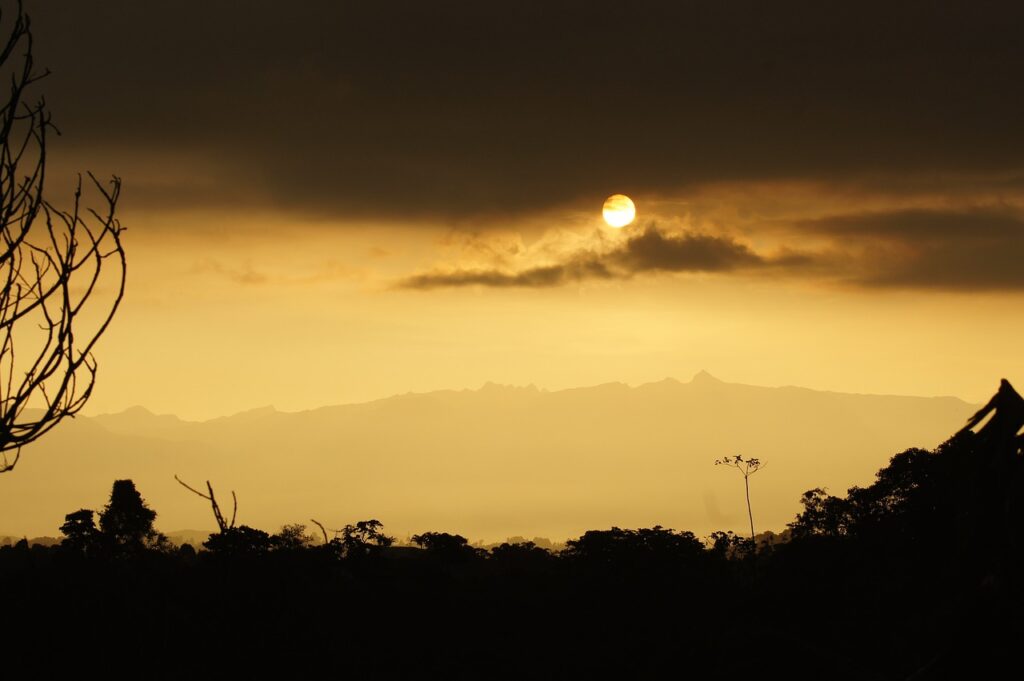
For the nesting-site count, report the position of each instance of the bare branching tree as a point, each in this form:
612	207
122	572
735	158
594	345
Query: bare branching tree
62	272
209	496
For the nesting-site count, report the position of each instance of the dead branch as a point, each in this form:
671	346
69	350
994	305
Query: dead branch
54	265
211	497
322	529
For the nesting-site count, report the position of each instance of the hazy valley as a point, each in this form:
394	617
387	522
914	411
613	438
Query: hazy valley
488	463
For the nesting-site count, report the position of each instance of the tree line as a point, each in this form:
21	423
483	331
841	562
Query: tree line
917	575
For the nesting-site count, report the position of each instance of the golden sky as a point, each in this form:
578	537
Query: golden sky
348	202
300	314
334	202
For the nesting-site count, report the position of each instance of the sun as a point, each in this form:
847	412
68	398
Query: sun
619	210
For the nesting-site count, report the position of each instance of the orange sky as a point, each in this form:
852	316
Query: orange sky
403	197
300	314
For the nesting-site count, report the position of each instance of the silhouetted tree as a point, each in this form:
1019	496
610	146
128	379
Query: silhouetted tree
622	551
364	539
291	538
517	551
912	491
238	541
521	558
450	548
727	544
80	532
747	467
610	545
186	553
52	263
822	515
127	522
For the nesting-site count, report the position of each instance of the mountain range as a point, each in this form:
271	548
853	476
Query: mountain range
486	463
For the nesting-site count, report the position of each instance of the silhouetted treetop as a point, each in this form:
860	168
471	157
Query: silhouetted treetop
241	541
633	547
447	547
365	539
959	506
126	520
291	538
80	532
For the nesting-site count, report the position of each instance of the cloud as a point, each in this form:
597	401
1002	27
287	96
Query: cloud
535	277
654	250
651	250
961	249
917	225
469	113
246	274
425	111
970	249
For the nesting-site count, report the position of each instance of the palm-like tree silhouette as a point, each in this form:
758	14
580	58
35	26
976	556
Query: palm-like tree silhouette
747	467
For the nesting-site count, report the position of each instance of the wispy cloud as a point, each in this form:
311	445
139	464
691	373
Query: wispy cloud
246	274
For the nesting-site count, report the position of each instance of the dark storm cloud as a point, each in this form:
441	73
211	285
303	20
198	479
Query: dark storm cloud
464	108
980	249
654	250
967	250
651	250
916	226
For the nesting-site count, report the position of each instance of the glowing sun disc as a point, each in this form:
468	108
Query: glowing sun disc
619	210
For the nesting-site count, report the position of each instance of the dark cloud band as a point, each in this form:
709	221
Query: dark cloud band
651	250
412	110
969	250
978	249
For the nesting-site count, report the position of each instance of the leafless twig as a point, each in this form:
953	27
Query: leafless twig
53	264
221	523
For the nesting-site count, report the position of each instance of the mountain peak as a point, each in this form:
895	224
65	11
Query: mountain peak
491	387
255	413
703	377
138	411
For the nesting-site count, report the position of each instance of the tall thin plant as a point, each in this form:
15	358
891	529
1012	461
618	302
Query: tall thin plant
747	467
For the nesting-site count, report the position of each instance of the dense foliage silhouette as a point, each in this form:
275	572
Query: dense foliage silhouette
917	575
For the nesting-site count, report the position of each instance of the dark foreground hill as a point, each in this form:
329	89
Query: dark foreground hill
915	576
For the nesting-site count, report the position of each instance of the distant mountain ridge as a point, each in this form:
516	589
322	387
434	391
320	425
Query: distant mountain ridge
488	463
138	416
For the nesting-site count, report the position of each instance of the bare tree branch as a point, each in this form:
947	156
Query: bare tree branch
211	497
55	265
322	529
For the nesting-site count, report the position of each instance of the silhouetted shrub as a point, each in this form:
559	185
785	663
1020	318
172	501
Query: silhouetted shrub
291	538
238	541
448	548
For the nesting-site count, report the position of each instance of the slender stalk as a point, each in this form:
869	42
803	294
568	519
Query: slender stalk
750	513
746	467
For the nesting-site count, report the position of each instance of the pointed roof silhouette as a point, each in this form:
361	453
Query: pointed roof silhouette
1007	409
